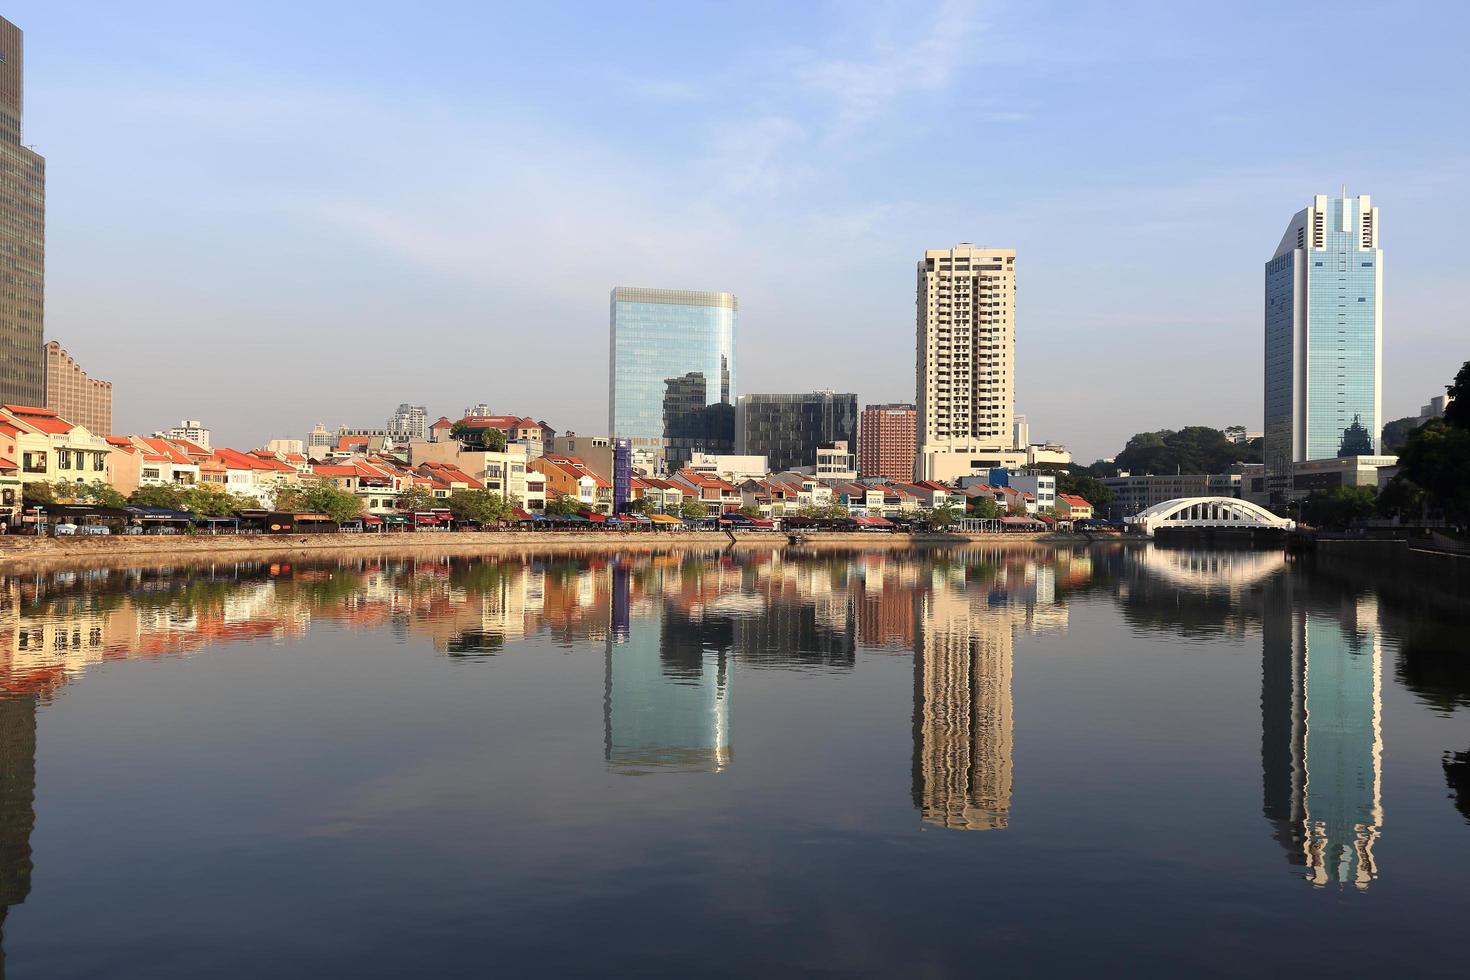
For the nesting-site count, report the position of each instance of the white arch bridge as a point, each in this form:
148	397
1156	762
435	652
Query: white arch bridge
1207	512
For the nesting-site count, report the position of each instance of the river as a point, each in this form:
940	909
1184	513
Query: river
936	763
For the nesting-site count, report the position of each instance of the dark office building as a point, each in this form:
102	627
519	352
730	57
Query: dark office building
787	429
22	239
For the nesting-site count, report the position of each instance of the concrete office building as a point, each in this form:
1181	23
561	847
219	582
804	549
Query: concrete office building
409	422
75	396
1324	338
787	429
22	238
965	362
886	441
672	369
190	429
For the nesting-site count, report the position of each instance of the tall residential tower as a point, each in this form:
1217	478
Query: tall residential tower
966	343
672	374
22	239
1324	337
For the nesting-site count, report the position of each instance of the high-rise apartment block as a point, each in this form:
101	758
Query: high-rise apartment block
789	429
672	369
966	386
22	238
191	429
886	441
74	396
409	422
1324	337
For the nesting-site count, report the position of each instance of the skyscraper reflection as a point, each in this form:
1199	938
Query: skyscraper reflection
1321	734
17	803
666	701
962	712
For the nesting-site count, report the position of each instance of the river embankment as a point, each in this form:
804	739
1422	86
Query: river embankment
21	550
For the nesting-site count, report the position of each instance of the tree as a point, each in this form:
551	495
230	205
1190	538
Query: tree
417	498
327	498
101	493
481	506
1396	433
643	505
1401	498
1436	457
946	514
749	510
168	495
484	436
984	508
1457	412
33	494
828	512
1192	449
564	506
215	501
1339	507
692	509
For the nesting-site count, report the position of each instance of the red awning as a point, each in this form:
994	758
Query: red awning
874	521
425	519
1010	519
594	518
371	519
761	522
521	515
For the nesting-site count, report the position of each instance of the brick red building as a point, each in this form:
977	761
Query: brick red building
886	446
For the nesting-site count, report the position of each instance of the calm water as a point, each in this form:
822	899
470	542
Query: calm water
920	765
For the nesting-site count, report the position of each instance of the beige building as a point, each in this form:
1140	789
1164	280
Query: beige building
22	238
75	396
965	362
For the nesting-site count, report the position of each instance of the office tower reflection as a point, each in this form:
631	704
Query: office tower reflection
666	700
1321	735
17	803
962	712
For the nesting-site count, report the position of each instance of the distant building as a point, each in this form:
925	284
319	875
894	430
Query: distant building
736	469
22	239
319	442
73	395
409	422
479	408
787	429
672	373
886	440
835	462
966	340
286	447
190	429
1435	408
1338	471
1324	337
1132	494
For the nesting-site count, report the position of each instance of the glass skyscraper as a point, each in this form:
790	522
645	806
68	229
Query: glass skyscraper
22	238
787	429
1324	337
672	374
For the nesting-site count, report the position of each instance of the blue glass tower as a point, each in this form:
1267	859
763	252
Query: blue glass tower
1324	336
672	371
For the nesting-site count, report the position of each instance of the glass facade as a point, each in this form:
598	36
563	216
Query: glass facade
22	239
673	369
787	429
1323	336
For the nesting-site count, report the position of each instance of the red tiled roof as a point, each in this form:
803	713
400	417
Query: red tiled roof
1073	500
6	464
40	418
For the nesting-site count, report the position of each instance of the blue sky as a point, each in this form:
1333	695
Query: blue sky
270	214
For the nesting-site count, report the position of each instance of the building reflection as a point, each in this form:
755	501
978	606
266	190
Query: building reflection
964	649
17	802
1321	734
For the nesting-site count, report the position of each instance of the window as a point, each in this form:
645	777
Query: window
63	460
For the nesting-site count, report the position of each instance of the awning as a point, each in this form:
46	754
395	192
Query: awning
521	515
664	519
394	519
425	519
872	521
371	519
1017	521
594	518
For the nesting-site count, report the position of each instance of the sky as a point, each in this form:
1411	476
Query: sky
273	214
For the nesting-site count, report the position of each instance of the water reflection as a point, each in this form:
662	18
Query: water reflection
1321	734
682	636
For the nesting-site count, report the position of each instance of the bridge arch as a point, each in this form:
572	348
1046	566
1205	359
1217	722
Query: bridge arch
1215	512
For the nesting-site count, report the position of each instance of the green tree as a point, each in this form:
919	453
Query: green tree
1457	412
1396	433
480	505
289	498
827	512
564	506
482	436
1192	449
418	498
101	493
691	509
1436	457
643	505
36	494
1339	507
749	510
1401	498
167	495
984	508
327	498
946	514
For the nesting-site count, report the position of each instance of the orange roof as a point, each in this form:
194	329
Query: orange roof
40	418
6	464
502	422
1073	500
160	449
